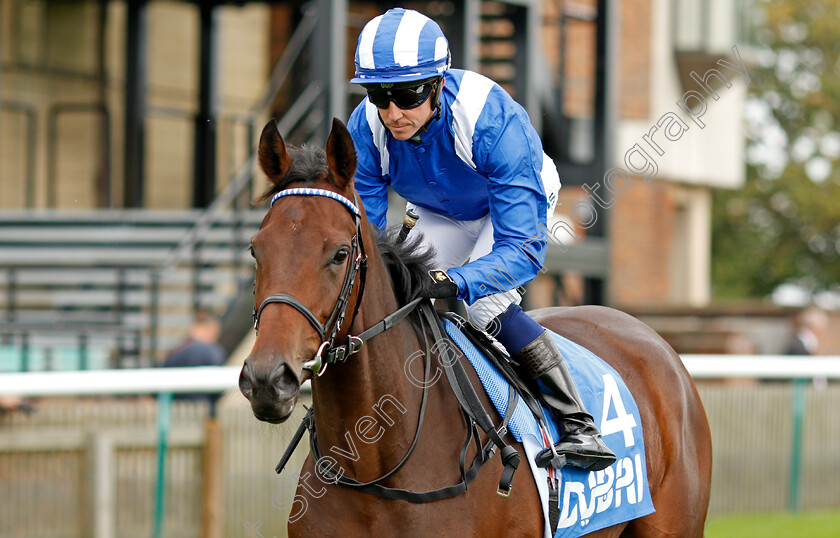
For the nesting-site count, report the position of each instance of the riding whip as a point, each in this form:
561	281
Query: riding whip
409	221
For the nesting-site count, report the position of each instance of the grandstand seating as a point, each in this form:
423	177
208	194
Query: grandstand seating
113	287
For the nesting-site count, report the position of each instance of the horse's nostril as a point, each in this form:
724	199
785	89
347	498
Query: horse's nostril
284	380
246	382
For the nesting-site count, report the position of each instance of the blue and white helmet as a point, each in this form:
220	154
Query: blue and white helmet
400	45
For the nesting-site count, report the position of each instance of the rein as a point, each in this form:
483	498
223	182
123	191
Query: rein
471	407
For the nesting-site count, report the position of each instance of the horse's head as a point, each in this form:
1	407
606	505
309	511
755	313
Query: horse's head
306	249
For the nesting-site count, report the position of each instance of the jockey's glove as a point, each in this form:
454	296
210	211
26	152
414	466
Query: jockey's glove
441	287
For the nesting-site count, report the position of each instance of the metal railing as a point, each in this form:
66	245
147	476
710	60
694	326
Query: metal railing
242	181
219	378
68	346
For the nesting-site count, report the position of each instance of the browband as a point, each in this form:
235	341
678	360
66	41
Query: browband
317	192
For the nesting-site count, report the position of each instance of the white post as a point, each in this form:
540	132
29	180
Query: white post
101	458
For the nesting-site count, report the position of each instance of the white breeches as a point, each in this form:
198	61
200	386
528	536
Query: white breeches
456	242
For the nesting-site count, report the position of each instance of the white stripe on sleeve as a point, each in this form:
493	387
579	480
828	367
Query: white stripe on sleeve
472	95
379	136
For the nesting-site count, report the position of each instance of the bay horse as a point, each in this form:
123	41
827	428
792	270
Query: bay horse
375	422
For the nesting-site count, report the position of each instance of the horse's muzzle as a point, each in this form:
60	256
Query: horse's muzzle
272	391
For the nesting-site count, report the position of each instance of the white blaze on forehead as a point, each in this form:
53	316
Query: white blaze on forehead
407	40
366	43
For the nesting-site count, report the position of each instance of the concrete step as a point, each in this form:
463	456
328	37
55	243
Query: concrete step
80	299
75	276
110	256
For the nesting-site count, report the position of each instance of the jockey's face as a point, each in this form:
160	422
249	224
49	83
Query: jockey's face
404	124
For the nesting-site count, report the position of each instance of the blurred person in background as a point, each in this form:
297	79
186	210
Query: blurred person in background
200	348
809	326
11	403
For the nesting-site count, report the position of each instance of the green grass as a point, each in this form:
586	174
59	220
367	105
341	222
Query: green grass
809	525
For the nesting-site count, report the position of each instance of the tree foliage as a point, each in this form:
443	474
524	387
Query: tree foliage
784	225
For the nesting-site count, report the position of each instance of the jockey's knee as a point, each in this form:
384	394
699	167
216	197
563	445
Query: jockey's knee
483	314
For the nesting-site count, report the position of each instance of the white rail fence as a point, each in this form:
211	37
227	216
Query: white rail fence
220	378
777	446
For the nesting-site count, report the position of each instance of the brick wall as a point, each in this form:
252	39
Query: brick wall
633	67
641	225
579	65
634	59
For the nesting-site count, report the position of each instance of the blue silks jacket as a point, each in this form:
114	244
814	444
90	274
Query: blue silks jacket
481	156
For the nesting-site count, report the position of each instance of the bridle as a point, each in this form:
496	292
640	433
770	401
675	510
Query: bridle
327	352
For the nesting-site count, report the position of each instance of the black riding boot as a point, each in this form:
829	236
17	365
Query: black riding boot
581	442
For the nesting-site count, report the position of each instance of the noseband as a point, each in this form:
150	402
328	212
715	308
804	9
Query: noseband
358	266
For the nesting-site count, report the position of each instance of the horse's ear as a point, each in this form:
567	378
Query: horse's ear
341	154
274	160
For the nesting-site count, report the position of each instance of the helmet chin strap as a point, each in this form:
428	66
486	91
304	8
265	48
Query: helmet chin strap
421	130
435	116
436	102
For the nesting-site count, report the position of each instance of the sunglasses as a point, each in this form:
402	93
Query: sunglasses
404	98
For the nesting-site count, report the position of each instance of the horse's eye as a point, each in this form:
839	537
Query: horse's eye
341	256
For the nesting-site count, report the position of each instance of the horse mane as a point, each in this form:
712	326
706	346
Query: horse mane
309	164
408	264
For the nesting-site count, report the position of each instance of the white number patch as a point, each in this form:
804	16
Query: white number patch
623	421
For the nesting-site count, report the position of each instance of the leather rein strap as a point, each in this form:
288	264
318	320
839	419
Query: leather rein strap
471	406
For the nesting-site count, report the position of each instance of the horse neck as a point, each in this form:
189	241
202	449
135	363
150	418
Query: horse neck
371	389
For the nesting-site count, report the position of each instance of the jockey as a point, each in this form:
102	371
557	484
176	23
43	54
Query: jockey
464	155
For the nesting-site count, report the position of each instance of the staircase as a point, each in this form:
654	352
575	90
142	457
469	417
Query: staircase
105	289
498	47
118	288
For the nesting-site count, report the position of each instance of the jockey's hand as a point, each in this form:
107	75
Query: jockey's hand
442	286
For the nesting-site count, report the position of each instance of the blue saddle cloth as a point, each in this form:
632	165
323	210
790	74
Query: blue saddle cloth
588	500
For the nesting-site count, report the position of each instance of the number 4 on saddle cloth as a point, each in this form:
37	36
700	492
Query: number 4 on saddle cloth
587	501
